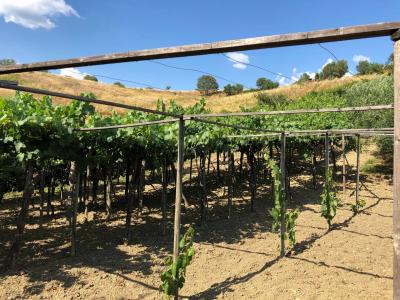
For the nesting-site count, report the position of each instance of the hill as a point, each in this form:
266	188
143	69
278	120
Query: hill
148	97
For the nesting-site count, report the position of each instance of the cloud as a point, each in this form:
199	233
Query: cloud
239	59
34	14
282	80
328	61
294	77
72	72
348	74
360	57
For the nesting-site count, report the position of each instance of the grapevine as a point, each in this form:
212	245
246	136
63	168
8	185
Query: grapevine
329	201
173	278
279	203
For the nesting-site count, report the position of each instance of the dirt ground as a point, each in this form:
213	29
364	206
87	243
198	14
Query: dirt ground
235	259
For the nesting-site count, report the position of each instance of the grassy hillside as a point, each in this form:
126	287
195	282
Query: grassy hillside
148	98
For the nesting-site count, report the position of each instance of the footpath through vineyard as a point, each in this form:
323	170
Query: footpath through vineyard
235	259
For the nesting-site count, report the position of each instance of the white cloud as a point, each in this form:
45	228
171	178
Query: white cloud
72	72
282	80
239	59
295	76
34	14
328	61
360	57
348	74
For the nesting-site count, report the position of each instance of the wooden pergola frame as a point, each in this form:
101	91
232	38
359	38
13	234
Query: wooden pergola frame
391	29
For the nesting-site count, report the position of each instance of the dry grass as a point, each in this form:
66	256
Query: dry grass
148	98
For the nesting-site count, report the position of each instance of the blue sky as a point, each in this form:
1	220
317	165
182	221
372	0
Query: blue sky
36	30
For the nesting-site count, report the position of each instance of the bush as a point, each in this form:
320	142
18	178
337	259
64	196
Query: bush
266	84
233	89
273	101
389	64
304	78
365	67
119	84
7	62
207	85
90	77
373	92
333	70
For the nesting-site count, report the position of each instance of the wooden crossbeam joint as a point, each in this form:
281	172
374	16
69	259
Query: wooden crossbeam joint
395	36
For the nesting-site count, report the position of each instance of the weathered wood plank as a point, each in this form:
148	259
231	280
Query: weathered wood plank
358	169
178	192
272	41
396	175
283	191
290	112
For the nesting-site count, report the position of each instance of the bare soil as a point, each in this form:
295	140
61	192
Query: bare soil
235	259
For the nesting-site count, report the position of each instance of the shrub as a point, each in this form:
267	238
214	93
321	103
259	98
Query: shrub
119	84
304	78
7	62
266	84
207	85
233	89
365	67
90	77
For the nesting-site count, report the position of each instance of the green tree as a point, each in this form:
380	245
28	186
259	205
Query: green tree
365	67
334	70
168	87
119	84
7	62
266	84
389	67
304	78
207	85
233	89
90	77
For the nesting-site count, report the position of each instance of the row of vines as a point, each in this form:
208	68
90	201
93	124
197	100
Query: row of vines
41	148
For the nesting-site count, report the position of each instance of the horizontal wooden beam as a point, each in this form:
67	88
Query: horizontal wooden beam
140	124
291	112
263	42
322	132
5	85
233	126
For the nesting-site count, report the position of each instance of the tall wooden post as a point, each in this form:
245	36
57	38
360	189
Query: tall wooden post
283	192
178	192
358	169
396	169
326	152
344	166
74	192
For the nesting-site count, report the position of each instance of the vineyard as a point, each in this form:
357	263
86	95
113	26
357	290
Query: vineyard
37	133
80	187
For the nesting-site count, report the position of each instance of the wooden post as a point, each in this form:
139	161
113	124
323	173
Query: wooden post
164	195
358	169
396	170
344	166
230	173
327	170
283	191
326	152
74	192
178	193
